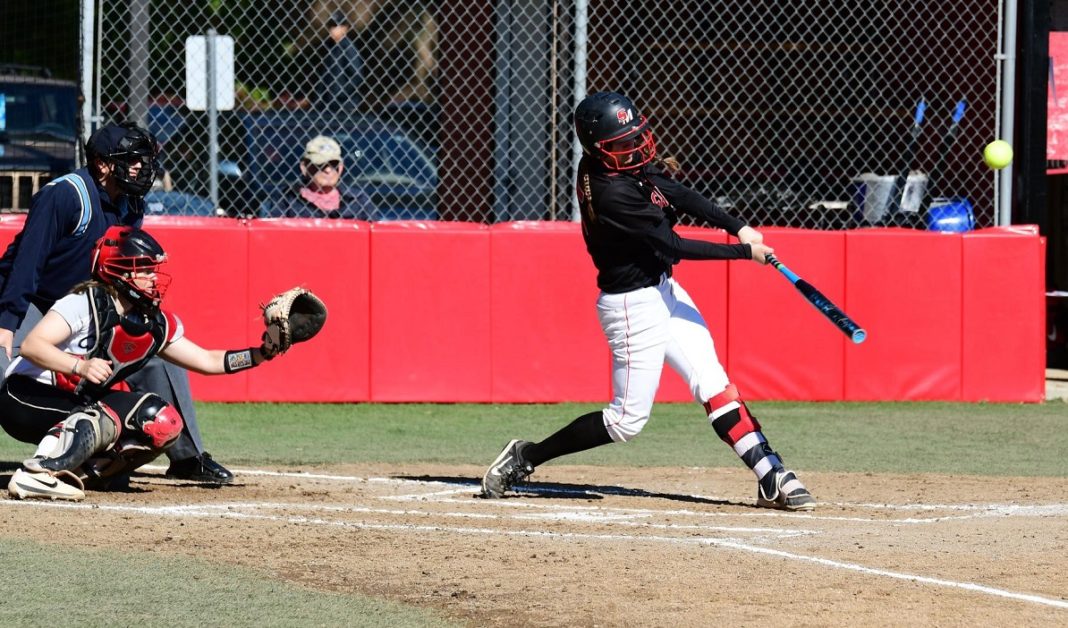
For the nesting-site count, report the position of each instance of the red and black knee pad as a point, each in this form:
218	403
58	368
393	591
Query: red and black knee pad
154	422
730	416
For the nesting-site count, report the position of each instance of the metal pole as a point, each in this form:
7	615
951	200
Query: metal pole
97	117
1006	109
213	123
502	118
554	90
85	73
139	56
579	90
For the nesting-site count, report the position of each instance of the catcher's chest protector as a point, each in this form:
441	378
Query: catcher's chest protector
128	341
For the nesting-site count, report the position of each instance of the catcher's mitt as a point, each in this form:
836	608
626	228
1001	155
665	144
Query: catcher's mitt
296	315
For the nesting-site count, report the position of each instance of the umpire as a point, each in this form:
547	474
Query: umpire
52	254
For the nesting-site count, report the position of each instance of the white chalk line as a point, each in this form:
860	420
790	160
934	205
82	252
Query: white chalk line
225	511
975	510
750	512
241	510
602	518
967	586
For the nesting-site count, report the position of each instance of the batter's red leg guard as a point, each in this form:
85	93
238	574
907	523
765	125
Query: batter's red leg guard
738	428
730	417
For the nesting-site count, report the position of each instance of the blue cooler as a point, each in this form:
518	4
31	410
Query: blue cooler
950	214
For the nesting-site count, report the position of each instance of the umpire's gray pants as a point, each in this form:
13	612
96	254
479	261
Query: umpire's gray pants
159	376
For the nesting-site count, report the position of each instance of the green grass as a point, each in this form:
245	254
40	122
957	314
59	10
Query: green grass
102	588
980	439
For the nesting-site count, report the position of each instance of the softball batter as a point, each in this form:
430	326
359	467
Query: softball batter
629	206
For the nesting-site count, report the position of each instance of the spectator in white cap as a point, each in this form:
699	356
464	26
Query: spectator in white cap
321	194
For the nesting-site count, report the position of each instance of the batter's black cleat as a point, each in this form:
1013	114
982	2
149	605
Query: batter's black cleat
200	469
784	492
507	470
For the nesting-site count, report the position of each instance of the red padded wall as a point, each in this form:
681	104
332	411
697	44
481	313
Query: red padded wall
780	346
334	263
10	225
430	312
208	263
462	312
546	343
1004	354
706	283
904	286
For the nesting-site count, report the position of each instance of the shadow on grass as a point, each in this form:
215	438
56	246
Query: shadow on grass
559	490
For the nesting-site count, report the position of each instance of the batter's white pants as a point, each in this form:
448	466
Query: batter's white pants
644	328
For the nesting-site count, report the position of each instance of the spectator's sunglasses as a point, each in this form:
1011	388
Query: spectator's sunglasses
315	168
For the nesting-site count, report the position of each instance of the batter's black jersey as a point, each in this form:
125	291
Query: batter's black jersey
627	220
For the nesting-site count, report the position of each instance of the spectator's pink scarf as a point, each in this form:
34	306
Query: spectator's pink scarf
326	201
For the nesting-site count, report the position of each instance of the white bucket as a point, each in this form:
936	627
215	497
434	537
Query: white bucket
871	194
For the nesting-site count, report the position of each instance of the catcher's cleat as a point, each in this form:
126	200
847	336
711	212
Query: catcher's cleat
200	469
785	492
28	485
507	470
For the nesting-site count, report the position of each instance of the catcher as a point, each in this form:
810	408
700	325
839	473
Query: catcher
66	391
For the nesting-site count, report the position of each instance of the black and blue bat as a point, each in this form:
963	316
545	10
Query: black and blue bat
822	303
935	179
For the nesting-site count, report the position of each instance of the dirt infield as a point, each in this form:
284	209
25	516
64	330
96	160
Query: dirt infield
611	546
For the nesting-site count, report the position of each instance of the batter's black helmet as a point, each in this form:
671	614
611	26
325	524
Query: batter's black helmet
122	256
125	145
610	128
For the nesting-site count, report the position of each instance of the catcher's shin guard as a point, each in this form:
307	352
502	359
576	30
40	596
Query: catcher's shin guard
88	430
154	422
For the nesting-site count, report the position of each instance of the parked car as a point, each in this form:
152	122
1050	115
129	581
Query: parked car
37	132
380	158
183	137
259	157
160	202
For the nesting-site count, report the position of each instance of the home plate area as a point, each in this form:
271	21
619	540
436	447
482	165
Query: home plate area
923	531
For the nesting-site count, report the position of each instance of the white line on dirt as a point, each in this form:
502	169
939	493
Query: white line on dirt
226	511
974	510
968	586
993	510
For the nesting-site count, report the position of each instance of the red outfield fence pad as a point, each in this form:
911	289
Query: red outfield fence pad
464	312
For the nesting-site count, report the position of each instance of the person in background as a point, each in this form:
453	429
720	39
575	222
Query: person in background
52	254
341	74
321	194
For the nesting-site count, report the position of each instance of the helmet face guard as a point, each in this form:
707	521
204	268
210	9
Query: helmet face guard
135	160
629	150
610	129
138	147
129	260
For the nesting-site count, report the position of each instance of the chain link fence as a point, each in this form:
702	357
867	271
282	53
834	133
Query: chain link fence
786	113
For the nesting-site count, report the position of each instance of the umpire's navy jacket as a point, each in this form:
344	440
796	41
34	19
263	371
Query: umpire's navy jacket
52	252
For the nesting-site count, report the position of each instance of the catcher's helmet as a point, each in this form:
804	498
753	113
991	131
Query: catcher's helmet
610	128
129	259
125	145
